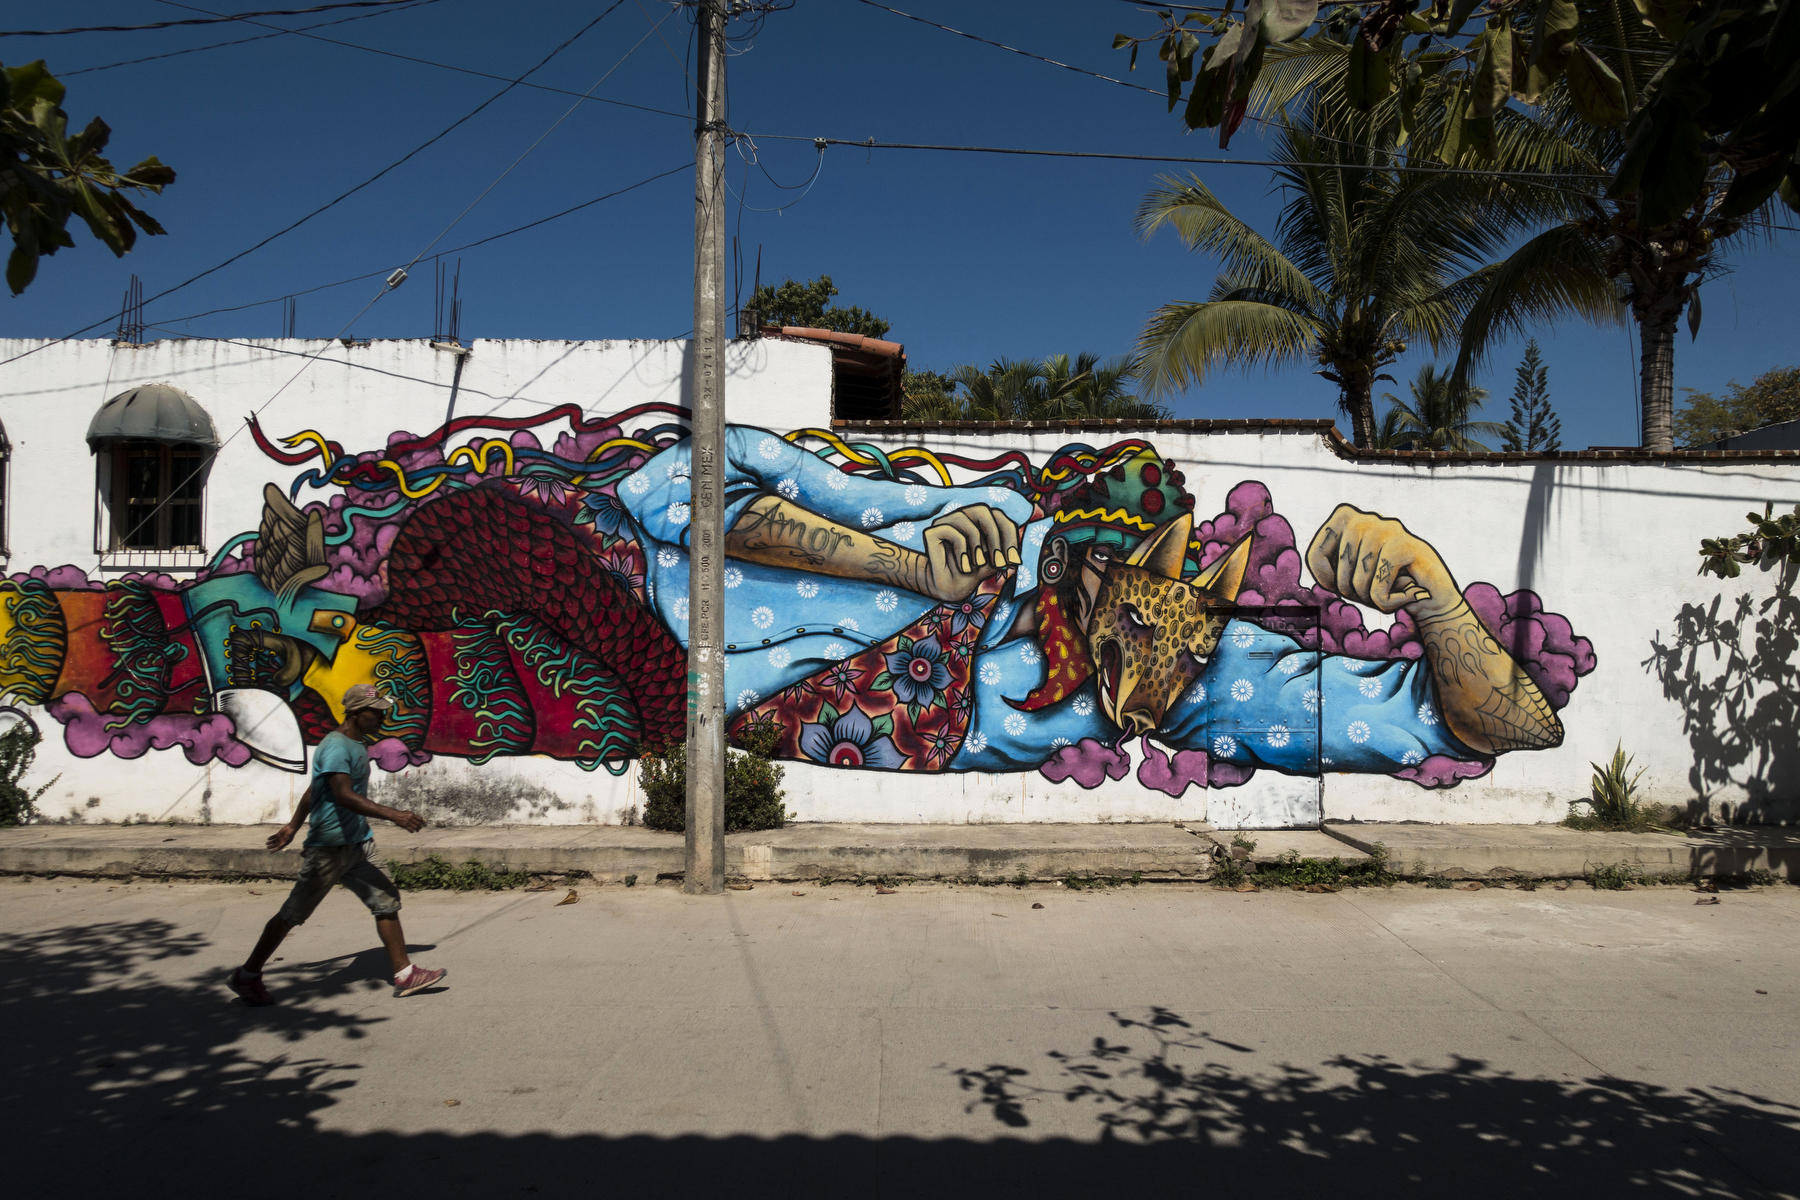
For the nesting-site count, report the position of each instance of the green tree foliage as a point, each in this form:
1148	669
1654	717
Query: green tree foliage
48	176
1365	259
1722	99
1583	88
808	305
929	396
1440	415
1774	396
1771	542
1729	98
754	798
18	749
1533	425
1389	435
1056	388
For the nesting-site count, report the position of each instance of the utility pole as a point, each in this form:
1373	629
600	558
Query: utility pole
705	871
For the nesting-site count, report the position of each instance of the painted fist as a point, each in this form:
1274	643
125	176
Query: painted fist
1370	559
964	547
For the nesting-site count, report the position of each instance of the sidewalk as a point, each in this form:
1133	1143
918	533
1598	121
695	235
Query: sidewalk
972	853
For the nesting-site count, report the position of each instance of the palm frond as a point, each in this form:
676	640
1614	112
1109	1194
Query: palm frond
1203	223
1184	341
1560	272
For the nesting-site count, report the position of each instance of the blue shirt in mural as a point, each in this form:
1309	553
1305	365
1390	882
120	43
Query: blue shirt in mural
1261	701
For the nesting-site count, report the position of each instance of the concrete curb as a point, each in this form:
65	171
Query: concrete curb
962	853
971	853
1499	852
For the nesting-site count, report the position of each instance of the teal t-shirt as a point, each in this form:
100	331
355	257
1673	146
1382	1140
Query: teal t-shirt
328	824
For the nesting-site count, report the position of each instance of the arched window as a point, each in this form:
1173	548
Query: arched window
154	445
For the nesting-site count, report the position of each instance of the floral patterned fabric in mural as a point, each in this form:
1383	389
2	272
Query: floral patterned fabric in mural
910	610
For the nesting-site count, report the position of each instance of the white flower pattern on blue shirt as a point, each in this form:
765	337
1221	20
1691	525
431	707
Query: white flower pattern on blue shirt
1285	712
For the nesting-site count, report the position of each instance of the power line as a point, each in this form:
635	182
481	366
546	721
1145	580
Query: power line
656	27
277	31
345	195
212	20
1136	87
873	144
1160	95
442	66
1223	10
394	281
398	277
492	237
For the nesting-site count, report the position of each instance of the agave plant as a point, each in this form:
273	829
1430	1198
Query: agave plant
1612	801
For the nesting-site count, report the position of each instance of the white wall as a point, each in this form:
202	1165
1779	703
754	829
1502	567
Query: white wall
1610	545
357	395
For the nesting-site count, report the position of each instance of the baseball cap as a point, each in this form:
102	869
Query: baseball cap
365	695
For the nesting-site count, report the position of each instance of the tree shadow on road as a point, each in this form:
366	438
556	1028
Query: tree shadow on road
124	1078
105	1056
1367	1124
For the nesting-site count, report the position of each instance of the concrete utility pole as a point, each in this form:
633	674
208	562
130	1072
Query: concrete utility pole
706	533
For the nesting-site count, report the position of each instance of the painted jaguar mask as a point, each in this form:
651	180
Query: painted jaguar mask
1150	633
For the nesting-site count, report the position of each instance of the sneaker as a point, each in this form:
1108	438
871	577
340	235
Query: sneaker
249	988
416	979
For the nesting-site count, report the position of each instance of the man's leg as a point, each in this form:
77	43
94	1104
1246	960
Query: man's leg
393	940
377	891
319	870
272	936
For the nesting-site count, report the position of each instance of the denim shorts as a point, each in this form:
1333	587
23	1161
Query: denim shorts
353	866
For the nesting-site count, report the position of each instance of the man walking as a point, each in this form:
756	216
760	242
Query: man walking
340	848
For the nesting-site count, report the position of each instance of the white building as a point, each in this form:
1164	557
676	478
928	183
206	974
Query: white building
1669	664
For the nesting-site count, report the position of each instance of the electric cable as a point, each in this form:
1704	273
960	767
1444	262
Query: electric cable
685	165
526	153
216	19
872	144
1263	121
803	189
399	276
444	66
680	60
244	41
973	37
344	195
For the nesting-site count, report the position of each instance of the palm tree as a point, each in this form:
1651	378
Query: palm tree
1056	388
1388	432
1090	389
1440	416
1364	260
1590	256
1008	390
931	406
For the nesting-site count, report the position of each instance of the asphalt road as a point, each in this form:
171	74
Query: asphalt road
814	1042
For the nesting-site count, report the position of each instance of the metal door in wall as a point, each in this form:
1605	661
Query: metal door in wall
1263	638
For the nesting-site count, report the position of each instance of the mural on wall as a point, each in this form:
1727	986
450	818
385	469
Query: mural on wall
904	611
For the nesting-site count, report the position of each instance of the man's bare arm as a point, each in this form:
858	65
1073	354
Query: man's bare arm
1488	700
343	794
961	548
281	837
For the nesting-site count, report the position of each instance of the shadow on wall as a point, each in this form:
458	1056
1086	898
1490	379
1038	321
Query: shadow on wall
1734	667
118	1082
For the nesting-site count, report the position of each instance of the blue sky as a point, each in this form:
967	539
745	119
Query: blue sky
971	257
